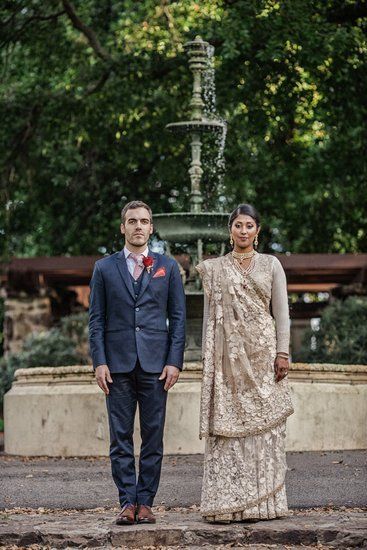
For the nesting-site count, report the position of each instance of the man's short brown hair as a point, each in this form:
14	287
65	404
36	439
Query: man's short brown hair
135	204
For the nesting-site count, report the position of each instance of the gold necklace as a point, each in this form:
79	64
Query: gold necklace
243	256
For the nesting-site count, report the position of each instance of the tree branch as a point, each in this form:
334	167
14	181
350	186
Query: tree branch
18	147
25	133
90	35
97	86
17	33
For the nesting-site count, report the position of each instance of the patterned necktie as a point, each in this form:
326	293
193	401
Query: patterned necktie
139	266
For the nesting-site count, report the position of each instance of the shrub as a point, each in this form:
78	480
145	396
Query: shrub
61	346
76	328
341	337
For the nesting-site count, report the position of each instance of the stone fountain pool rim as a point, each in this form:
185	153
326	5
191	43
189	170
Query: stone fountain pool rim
48	408
192	371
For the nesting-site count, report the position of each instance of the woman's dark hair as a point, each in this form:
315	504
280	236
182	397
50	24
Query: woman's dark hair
245	210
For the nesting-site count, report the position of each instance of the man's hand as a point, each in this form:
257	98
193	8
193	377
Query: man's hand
103	376
281	367
171	374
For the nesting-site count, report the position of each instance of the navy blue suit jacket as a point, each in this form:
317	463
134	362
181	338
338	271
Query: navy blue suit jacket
123	328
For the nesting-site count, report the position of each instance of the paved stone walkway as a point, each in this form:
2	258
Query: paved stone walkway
181	528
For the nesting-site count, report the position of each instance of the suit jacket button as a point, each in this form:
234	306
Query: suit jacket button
137	329
137	309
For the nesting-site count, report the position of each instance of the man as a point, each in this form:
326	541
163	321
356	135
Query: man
137	338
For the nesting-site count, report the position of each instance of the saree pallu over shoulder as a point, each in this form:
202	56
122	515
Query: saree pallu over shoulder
239	396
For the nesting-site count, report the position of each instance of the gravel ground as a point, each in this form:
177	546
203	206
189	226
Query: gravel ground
314	479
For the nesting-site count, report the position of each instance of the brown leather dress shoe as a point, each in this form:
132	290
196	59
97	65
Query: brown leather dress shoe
145	514
127	515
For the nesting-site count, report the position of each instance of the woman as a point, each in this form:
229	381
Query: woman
245	398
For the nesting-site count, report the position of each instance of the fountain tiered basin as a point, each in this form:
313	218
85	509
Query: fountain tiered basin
188	227
203	125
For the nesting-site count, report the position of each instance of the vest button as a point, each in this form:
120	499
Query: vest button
137	308
137	329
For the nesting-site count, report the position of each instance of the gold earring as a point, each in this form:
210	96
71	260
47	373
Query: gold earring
231	240
256	241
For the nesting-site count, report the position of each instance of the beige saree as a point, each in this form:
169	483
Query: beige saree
243	410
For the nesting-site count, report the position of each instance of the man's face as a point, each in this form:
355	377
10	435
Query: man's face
137	227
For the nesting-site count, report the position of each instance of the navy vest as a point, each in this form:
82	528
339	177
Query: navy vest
136	284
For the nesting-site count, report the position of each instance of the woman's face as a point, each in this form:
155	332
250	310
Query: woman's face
243	231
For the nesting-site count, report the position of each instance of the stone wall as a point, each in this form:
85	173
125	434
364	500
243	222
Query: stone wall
24	315
61	411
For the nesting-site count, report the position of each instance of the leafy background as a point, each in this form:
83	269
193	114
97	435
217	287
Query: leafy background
341	336
88	86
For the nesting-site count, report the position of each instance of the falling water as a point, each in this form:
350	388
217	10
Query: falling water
215	166
209	94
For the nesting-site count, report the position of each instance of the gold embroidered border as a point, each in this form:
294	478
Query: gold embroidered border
256	431
251	504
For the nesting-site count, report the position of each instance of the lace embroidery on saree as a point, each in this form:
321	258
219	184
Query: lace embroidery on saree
239	395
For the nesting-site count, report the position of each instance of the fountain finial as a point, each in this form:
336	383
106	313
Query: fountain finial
197	51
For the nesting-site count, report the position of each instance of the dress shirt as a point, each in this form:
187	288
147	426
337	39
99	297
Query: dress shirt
130	262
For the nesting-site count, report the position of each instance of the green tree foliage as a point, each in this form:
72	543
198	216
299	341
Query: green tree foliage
88	86
341	337
61	346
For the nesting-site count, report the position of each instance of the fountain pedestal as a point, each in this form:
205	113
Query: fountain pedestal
194	308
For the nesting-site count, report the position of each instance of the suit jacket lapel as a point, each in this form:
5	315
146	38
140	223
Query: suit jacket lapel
124	272
147	277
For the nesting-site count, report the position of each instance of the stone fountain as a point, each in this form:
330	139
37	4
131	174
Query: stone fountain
197	227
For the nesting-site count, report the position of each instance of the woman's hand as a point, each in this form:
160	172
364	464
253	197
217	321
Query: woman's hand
281	367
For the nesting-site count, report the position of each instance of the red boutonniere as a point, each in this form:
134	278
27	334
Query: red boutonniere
148	263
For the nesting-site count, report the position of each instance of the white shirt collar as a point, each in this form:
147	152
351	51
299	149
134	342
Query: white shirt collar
127	252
